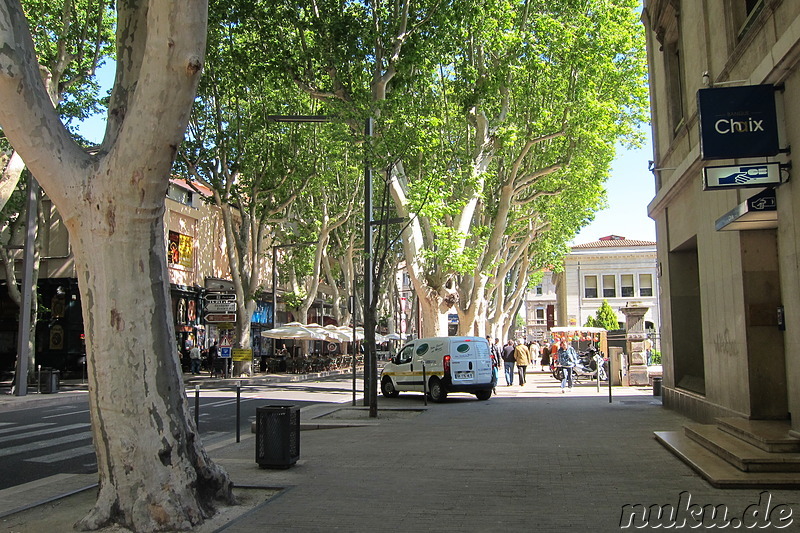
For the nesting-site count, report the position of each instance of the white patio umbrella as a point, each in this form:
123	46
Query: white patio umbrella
337	335
296	332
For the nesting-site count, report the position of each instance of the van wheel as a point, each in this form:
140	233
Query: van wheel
436	391
387	388
483	394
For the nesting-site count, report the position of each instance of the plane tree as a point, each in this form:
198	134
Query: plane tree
480	111
154	473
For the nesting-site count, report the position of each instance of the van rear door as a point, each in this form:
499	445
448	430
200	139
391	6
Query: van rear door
470	362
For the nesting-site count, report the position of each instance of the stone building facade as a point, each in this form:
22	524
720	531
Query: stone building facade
729	246
615	269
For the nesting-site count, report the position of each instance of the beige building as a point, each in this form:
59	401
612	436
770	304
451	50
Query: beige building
727	216
540	308
615	269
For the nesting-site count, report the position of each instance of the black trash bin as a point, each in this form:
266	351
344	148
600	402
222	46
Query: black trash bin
657	386
277	436
50	380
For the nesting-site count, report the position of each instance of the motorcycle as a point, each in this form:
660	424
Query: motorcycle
586	369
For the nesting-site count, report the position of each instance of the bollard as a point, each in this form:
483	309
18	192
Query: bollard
238	410
39	379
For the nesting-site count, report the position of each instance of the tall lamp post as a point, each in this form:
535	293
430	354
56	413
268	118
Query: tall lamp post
370	360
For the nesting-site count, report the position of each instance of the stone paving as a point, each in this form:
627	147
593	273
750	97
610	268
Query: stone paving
528	459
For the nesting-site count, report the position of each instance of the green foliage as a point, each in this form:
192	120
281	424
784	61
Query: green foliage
606	317
655	357
469	88
72	39
293	300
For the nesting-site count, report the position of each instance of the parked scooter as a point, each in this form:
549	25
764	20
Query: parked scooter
587	366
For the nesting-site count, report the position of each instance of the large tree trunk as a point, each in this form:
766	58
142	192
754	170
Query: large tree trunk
154	472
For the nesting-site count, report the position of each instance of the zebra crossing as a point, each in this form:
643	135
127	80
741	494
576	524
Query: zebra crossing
48	441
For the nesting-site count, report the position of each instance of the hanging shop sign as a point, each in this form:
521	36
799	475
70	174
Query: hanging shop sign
737	122
742	176
757	212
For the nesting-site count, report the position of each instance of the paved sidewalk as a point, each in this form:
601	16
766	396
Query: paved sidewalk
529	459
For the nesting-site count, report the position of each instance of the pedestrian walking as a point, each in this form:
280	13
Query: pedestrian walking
567	359
194	359
522	356
213	358
508	362
534	349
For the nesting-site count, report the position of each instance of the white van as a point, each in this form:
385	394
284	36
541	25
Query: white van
451	364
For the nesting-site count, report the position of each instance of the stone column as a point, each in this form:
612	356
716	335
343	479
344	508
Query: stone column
635	337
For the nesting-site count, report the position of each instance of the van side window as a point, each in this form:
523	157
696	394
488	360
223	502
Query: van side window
405	355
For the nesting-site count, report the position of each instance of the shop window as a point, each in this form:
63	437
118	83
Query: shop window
626	285
645	285
609	287
590	287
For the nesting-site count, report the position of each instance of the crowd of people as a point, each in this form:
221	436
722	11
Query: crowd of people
517	354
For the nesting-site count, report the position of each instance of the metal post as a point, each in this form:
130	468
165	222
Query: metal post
353	343
609	378
197	407
39	379
274	295
238	410
24	332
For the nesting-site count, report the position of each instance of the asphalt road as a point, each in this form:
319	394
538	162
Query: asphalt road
43	440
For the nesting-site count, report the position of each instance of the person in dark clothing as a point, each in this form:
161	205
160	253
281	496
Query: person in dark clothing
508	362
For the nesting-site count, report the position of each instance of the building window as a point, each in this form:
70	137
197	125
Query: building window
539	291
672	56
540	318
626	285
179	194
746	12
590	287
645	284
609	287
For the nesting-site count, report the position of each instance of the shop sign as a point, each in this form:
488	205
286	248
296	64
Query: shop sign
737	122
742	176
